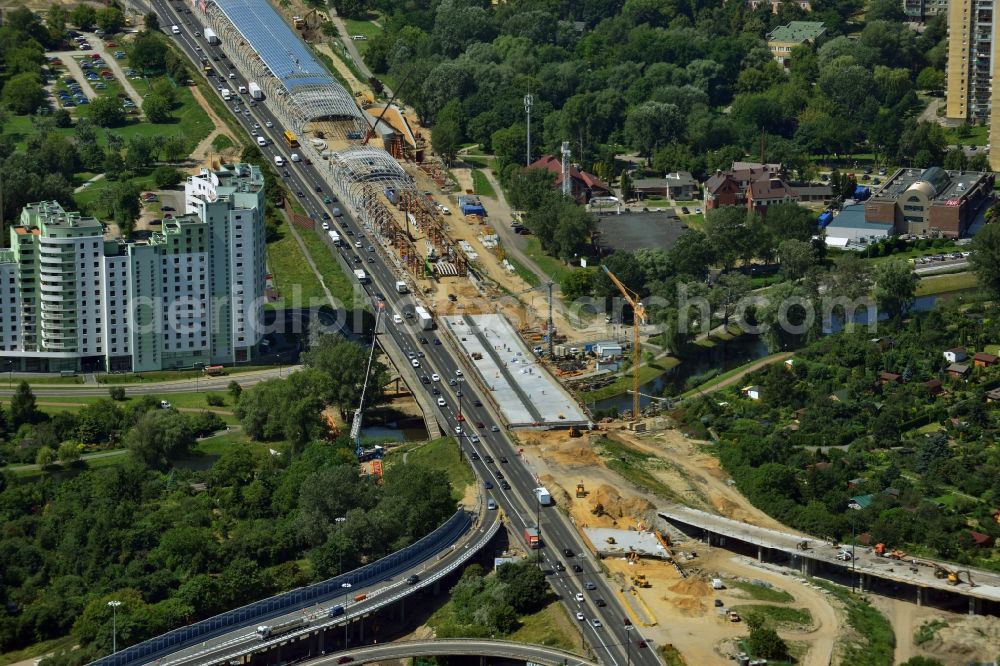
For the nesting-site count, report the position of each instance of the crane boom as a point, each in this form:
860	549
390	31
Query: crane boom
638	317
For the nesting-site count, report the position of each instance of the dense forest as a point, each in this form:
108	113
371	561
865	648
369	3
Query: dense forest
928	459
177	535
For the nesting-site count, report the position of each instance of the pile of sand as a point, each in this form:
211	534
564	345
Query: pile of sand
974	638
692	587
690	606
617	506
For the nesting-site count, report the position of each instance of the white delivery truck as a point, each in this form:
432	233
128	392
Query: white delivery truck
362	277
227	94
544	498
211	37
262	142
335	237
401	287
255	91
424	317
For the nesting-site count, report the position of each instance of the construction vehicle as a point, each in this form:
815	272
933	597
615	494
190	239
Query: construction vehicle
952	576
611	540
638	317
734	616
639	580
580	490
803	545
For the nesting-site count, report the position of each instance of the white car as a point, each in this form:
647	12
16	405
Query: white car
458	430
415	363
232	75
441	402
458	373
435	377
268	123
579	616
579	597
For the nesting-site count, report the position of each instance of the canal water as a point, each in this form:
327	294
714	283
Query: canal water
726	356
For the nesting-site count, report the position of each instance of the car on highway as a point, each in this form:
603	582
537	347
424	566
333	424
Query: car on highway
494	428
488	485
415	363
568	553
268	124
458	373
413	580
597	623
505	485
579	597
437	341
498	474
491	505
435	390
371	259
441	402
577	568
423	340
452	382
600	602
326	216
478	403
436	377
424	379
489	459
474	438
458	430
345	659
459	417
589	585
579	616
560	566
480	424
504	460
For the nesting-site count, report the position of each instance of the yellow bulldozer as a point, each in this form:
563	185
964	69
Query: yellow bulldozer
580	490
953	577
639	580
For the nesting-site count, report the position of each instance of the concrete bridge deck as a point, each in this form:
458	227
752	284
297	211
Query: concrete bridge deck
918	572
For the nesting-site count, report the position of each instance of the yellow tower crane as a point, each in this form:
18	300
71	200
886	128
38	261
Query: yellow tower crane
638	317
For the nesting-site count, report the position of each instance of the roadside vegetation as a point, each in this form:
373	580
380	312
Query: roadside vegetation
634	466
439	454
876	641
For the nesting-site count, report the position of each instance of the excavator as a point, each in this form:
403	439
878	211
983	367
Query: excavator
953	576
581	491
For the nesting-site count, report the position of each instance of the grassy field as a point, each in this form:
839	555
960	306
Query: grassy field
336	280
366	28
778	616
89	197
671	657
647	373
548	627
877	639
441	454
523	272
196	401
293	277
481	186
760	592
173	375
976	135
37	650
554	268
44	380
634	466
221	142
940	284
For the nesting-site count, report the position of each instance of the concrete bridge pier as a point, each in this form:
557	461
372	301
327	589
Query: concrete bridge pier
920	596
974	605
808	566
760	553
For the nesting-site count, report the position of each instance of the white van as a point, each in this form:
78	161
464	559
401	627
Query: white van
296	158
396	319
279	160
175	29
243	90
262	142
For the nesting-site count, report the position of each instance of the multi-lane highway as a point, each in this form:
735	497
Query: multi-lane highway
575	575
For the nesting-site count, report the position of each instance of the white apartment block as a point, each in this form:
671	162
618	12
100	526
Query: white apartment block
192	294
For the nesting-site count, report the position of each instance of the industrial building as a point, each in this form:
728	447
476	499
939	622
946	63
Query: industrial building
972	74
930	201
76	299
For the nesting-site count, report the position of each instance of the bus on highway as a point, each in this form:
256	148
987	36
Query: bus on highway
291	140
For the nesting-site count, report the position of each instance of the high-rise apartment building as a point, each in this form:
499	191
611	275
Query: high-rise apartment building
72	298
973	76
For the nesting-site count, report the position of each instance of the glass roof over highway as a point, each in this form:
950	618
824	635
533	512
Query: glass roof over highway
309	85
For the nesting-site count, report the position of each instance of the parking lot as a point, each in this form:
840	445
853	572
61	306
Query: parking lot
85	74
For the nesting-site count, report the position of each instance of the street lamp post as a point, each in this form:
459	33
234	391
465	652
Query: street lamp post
345	587
114	624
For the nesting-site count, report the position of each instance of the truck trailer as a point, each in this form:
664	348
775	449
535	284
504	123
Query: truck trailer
255	91
532	537
335	237
424	317
401	287
544	497
265	632
362	277
211	37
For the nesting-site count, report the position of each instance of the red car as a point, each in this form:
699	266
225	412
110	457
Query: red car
460	418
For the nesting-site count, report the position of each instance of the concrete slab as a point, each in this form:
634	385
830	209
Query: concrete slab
625	542
521	389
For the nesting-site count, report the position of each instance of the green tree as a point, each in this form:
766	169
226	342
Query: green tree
796	257
23	407
577	284
765	642
149	52
83	16
985	257
727	230
117	393
895	287
653	124
509	145
930	79
69	452
157	109
106	111
126	205
692	254
445	140
159	436
627	188
345	364
23	93
166	176
235	390
527	590
152	22
790	221
110	20
55	21
728	291
45	457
